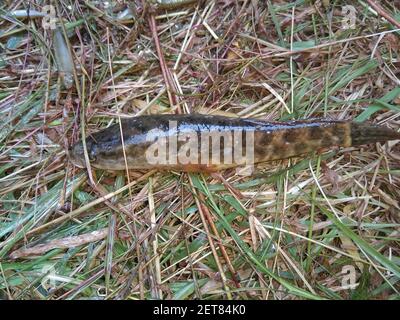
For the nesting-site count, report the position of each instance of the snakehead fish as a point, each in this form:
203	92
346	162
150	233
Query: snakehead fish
171	4
210	143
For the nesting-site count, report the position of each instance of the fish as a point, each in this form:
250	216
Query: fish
210	143
171	4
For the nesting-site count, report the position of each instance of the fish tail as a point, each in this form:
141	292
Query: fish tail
364	133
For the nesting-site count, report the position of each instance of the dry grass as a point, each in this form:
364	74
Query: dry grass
300	226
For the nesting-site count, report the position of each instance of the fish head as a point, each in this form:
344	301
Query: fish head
77	153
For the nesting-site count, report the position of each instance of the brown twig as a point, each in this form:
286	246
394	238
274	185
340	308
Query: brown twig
169	84
382	12
84	208
64	243
203	210
207	220
233	190
221	246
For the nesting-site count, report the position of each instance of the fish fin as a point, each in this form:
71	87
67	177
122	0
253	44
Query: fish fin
364	133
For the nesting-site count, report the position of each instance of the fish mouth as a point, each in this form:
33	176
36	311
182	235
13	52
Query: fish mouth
74	159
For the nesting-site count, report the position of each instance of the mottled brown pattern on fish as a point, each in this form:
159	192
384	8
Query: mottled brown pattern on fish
171	4
272	140
289	142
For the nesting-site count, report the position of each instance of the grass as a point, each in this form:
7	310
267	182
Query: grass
302	228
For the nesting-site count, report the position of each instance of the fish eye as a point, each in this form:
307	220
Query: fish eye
92	156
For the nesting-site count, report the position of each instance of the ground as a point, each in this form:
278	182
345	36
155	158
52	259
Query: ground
321	226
